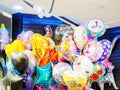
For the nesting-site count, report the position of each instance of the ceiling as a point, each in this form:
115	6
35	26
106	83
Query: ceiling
81	10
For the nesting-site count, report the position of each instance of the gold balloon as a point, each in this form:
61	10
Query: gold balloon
39	45
16	45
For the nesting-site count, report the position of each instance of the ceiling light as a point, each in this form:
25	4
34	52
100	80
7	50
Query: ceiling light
18	7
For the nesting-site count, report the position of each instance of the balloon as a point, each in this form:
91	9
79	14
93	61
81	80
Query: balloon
98	71
80	36
31	60
106	45
28	81
2	86
73	80
44	75
11	78
20	61
51	42
68	48
16	45
62	30
51	56
4	37
107	63
39	46
49	32
93	50
25	38
38	87
58	71
83	65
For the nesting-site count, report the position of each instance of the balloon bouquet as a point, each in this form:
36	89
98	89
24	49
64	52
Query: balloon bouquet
77	59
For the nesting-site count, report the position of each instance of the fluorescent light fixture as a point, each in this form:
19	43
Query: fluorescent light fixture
17	7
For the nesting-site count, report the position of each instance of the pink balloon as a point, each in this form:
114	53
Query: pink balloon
107	63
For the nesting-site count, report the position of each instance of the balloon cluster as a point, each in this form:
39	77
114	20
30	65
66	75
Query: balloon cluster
73	63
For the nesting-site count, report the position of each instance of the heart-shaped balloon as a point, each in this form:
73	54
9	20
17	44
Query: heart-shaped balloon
20	61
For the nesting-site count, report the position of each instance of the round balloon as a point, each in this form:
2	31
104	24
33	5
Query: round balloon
80	36
68	48
106	45
61	30
93	50
83	65
58	71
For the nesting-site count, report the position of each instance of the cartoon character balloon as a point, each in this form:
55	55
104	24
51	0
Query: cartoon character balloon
93	50
68	48
80	36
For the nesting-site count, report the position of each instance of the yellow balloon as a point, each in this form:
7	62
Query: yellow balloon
40	45
16	45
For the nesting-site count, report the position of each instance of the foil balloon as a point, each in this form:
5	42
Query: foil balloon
51	56
39	46
80	36
68	48
61	30
20	61
107	63
98	71
106	45
16	45
4	37
93	50
83	65
73	80
31	60
44	75
28	81
51	42
25	38
95	27
11	78
58	71
49	32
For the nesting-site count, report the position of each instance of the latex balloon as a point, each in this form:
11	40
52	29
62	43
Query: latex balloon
106	45
4	37
25	38
80	36
93	50
44	75
83	65
68	48
20	61
2	86
39	46
73	80
58	71
16	45
31	60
